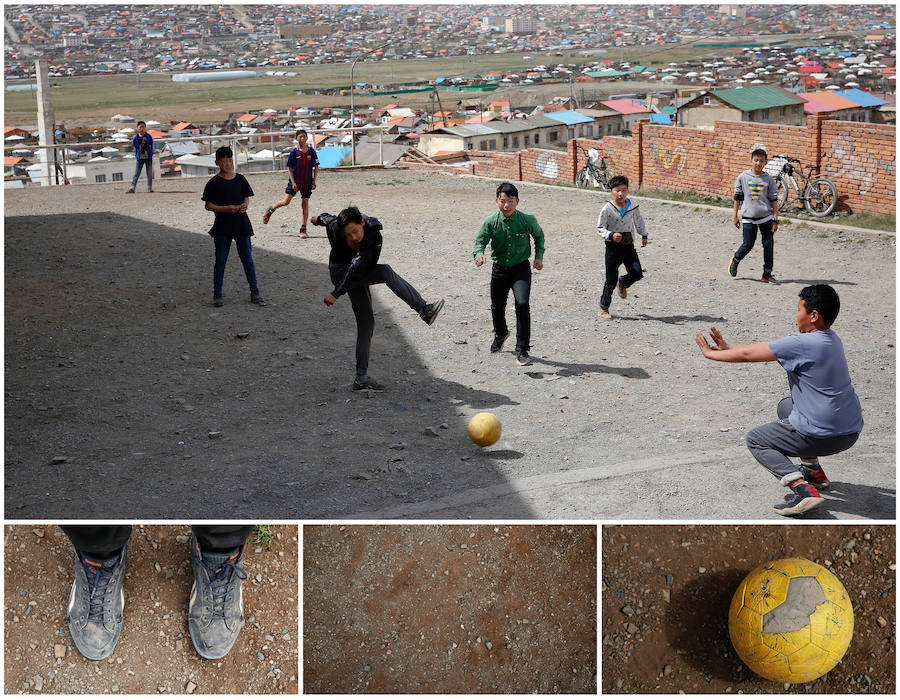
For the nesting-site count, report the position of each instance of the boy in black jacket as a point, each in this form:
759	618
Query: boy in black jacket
353	265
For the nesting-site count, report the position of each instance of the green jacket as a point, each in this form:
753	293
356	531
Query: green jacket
509	238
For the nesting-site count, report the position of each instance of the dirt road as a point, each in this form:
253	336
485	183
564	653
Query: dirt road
128	394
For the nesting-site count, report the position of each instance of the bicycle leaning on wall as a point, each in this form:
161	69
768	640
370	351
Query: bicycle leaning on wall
596	172
817	194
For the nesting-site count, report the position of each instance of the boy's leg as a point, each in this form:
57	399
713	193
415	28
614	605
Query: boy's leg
361	301
612	260
749	232
148	164
501	283
97	539
521	289
223	245
768	246
304	208
137	173
271	210
244	249
771	445
384	274
633	271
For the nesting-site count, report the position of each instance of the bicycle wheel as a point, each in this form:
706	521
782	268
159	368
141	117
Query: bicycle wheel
583	178
783	191
820	197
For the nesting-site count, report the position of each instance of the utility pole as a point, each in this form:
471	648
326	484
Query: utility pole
352	106
45	121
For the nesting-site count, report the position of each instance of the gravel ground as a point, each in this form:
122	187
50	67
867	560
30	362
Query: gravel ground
128	395
155	654
666	591
449	609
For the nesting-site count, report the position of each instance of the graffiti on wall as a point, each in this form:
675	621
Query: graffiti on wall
714	166
669	161
547	166
845	163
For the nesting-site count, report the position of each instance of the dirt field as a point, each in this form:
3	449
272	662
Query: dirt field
129	396
449	609
666	591
155	654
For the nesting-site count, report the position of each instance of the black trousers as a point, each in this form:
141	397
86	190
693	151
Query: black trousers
97	539
518	279
617	255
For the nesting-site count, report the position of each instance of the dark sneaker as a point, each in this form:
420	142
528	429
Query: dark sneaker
815	476
768	279
620	288
303	231
255	298
431	311
366	382
216	608
130	190
268	214
805	498
149	189
498	342
218	301
96	602
522	357
732	267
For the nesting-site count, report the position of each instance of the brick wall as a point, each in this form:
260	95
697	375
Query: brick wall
858	157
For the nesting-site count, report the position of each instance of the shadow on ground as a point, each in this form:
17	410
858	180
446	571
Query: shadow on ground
129	396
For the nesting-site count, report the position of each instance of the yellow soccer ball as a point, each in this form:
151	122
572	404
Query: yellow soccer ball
484	429
790	620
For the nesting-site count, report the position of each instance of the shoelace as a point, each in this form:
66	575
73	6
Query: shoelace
98	587
218	584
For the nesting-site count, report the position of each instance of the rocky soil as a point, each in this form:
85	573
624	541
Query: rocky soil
129	396
666	591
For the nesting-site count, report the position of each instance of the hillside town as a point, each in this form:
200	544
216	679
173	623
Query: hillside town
848	74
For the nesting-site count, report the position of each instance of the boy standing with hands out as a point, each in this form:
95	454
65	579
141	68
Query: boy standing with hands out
618	221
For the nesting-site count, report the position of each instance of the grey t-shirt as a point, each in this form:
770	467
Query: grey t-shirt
825	404
758	194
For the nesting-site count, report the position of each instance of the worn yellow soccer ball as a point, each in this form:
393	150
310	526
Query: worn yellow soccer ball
484	429
790	620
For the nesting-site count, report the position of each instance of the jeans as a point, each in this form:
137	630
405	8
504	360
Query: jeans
143	163
768	244
771	445
620	255
518	279
99	539
223	245
361	301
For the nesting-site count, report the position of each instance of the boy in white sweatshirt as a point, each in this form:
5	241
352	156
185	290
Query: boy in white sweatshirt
618	221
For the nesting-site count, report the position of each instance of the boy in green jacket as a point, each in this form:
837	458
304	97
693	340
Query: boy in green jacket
510	232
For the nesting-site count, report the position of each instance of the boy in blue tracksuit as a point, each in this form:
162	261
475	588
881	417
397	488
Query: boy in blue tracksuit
143	154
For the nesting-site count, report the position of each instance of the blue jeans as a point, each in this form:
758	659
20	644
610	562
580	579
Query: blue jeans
223	246
143	163
768	244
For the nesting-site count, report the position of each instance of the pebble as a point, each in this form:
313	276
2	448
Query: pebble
38	683
667	670
882	622
488	645
632	628
59	650
38	532
59	460
667	595
367	668
179	645
190	687
628	610
429	432
259	655
214	434
701	569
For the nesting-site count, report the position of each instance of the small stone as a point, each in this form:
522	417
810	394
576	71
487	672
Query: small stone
701	569
667	595
179	645
667	670
241	335
367	668
429	432
214	434
882	622
37	531
363	476
59	460
628	610
38	683
259	655
190	687
59	650
632	628
489	645
850	544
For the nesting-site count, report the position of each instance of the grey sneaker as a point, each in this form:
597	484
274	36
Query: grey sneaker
95	605
130	190
256	298
216	608
732	267
498	342
366	382
431	311
522	357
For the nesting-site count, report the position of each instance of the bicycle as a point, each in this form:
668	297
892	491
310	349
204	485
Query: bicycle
818	194
594	174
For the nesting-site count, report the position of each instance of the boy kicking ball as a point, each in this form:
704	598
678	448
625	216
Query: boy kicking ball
823	415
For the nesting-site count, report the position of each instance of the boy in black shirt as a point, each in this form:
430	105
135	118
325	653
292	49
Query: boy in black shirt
228	194
353	265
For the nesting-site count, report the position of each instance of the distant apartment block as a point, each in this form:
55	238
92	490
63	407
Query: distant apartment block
522	25
302	31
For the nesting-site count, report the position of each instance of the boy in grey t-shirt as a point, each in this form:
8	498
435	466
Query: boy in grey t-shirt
823	415
755	197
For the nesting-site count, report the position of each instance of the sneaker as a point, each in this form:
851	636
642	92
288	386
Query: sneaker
431	311
498	342
805	498
522	357
256	298
620	288
129	190
268	214
768	279
216	608
732	267
366	382
96	602
604	314
303	231
815	476
218	301
149	189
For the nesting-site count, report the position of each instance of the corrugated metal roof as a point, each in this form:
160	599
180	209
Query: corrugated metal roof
569	116
753	97
661	119
626	106
829	100
861	97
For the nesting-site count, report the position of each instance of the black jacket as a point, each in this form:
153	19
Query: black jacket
359	262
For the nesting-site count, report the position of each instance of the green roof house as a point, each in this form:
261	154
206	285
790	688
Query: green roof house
766	104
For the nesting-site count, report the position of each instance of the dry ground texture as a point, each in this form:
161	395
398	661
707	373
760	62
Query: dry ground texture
666	591
129	396
450	609
155	654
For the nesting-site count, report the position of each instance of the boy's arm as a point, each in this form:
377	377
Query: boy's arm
602	223
639	225
315	175
482	239
757	352
537	233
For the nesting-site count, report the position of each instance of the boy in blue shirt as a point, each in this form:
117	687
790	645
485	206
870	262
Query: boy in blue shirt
823	415
143	154
303	169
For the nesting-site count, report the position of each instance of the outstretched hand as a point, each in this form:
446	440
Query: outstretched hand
718	339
